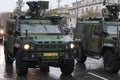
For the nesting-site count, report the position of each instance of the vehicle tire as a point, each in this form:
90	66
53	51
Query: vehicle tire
81	58
44	69
111	62
21	66
67	66
8	60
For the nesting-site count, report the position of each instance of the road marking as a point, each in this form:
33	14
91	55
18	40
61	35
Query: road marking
97	76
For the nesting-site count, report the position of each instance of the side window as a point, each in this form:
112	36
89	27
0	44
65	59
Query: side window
88	29
80	28
97	29
10	29
83	30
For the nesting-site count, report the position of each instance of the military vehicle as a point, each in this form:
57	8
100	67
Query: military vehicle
38	41
100	37
1	34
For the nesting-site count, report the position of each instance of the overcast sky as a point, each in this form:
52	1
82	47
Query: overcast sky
9	5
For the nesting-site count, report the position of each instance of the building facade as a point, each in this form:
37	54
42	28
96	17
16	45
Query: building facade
84	8
4	17
62	11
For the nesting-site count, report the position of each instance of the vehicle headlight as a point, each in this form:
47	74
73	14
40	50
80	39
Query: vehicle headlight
1	31
72	45
26	46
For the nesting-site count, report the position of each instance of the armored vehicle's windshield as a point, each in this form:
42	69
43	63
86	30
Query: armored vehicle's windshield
40	28
112	28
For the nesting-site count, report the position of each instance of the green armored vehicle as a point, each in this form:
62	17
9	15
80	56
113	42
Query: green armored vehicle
36	41
100	37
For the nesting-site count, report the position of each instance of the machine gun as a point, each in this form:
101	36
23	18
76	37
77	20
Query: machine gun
111	11
37	9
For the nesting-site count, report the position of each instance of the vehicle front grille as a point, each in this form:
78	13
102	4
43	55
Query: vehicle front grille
50	46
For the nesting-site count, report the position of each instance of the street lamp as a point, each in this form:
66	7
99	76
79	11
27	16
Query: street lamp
76	9
58	3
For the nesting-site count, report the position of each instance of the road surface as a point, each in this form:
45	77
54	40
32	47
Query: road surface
91	70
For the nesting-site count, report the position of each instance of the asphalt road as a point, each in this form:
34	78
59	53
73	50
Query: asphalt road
91	70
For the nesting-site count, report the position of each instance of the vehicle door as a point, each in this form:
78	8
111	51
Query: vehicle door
9	37
87	36
96	39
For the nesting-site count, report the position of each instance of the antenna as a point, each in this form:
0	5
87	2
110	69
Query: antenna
58	3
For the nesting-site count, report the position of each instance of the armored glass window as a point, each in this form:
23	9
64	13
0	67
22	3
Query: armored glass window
112	29
97	29
10	29
39	28
81	28
88	29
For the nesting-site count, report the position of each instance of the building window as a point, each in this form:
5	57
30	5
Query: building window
86	9
94	0
108	1
96	8
70	19
82	11
92	9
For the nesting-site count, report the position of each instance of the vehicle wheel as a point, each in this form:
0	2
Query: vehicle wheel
44	69
21	66
67	66
8	60
81	58
111	62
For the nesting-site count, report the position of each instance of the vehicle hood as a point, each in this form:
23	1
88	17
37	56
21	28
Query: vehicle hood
65	38
111	38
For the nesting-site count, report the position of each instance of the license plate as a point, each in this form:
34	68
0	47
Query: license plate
50	54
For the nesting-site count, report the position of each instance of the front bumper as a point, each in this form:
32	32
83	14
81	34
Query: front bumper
36	59
48	56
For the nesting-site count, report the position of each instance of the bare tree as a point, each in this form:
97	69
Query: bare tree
91	14
19	5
